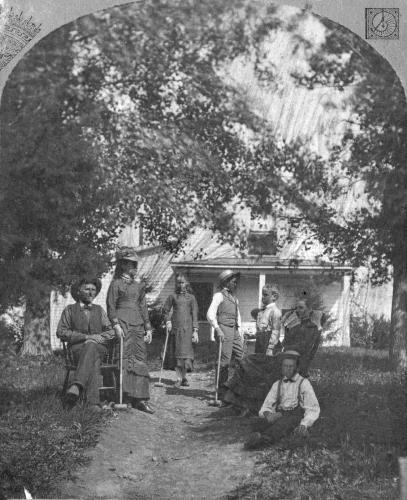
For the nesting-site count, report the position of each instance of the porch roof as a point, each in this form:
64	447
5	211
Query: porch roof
259	263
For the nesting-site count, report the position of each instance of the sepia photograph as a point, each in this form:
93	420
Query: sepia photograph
203	250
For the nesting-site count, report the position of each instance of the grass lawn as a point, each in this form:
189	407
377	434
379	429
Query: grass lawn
353	449
351	454
40	442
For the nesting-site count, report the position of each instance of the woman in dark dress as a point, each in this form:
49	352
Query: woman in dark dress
127	311
252	380
183	325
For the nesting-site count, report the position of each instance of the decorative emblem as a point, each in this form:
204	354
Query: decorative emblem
382	23
15	33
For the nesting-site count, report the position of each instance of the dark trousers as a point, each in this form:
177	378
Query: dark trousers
88	357
262	342
231	346
280	428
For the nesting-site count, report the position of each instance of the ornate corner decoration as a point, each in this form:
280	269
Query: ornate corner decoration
15	33
382	23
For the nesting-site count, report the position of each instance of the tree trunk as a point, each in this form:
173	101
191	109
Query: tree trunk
398	333
36	329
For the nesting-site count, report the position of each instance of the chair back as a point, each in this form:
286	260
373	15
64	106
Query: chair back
68	355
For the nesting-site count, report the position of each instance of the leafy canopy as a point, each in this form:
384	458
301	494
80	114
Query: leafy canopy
126	114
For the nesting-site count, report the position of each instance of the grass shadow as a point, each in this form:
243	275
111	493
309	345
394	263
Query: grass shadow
189	393
339	359
165	381
352	450
224	429
41	443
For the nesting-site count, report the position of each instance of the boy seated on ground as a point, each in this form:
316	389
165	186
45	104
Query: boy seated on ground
291	405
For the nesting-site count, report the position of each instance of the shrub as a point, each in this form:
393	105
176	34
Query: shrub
381	333
371	332
13	323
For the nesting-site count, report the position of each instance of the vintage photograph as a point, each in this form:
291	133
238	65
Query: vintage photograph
203	254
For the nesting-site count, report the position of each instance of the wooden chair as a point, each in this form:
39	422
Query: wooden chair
248	345
109	368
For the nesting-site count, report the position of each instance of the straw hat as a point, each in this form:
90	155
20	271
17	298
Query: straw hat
127	253
227	275
289	355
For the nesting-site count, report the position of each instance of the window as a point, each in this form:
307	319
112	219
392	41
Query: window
203	293
262	243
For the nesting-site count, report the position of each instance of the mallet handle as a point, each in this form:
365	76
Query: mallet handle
165	350
218	370
121	371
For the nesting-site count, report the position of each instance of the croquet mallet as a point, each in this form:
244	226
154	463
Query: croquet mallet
159	383
216	401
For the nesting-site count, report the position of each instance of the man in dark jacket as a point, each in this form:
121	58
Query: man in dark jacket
87	330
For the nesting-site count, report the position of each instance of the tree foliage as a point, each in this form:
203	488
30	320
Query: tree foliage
125	114
55	198
371	157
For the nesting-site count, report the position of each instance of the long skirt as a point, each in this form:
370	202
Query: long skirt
136	379
252	380
180	352
184	348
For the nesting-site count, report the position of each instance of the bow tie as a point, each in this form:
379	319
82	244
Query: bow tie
288	380
87	307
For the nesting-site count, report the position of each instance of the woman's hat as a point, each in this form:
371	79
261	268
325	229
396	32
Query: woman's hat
75	287
227	275
127	253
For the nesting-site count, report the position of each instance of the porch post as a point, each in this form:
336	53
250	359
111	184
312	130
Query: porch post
211	329
346	310
262	282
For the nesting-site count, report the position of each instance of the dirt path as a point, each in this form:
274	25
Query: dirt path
186	450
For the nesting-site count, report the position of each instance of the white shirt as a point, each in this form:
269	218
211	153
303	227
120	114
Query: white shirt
289	399
269	320
212	313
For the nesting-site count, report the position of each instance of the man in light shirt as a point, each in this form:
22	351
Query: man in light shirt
291	405
268	322
224	317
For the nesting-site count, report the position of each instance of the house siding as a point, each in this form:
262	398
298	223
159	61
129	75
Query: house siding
248	296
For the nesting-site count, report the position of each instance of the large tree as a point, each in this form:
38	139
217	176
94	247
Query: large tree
127	114
118	116
370	164
55	200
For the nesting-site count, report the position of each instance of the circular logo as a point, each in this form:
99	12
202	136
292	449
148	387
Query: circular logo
382	23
